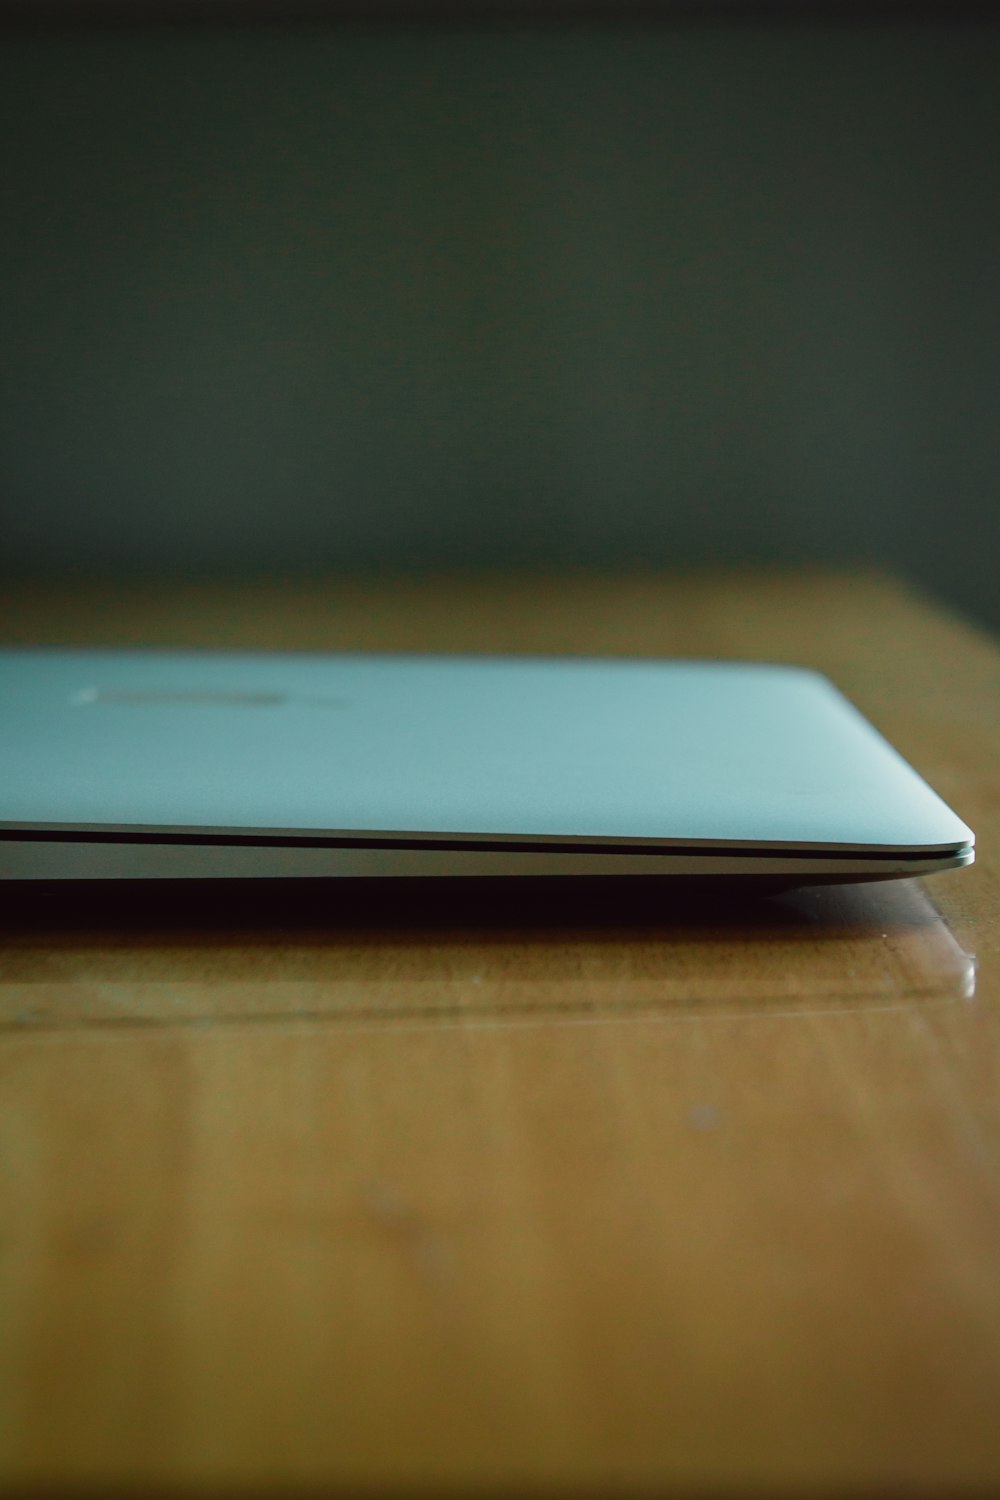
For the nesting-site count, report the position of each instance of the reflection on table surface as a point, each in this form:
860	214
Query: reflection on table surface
465	952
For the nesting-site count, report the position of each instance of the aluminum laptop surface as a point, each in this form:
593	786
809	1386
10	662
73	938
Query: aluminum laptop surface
193	764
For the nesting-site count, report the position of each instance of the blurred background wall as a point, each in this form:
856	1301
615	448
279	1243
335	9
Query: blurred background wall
655	291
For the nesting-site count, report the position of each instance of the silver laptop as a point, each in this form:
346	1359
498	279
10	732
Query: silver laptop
118	764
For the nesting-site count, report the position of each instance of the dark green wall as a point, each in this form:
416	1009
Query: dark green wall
419	297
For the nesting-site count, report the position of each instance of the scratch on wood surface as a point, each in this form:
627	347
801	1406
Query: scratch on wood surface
400	1220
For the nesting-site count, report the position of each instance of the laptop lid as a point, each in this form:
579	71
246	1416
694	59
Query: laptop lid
194	763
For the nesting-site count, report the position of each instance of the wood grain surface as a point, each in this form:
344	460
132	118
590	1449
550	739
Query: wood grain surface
494	1191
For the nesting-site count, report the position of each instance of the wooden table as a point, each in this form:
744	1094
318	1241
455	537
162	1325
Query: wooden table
306	1191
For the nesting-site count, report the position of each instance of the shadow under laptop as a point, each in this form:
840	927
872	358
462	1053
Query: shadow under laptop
420	905
160	953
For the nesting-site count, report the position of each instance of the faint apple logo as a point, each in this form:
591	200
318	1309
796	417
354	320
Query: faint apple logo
157	697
